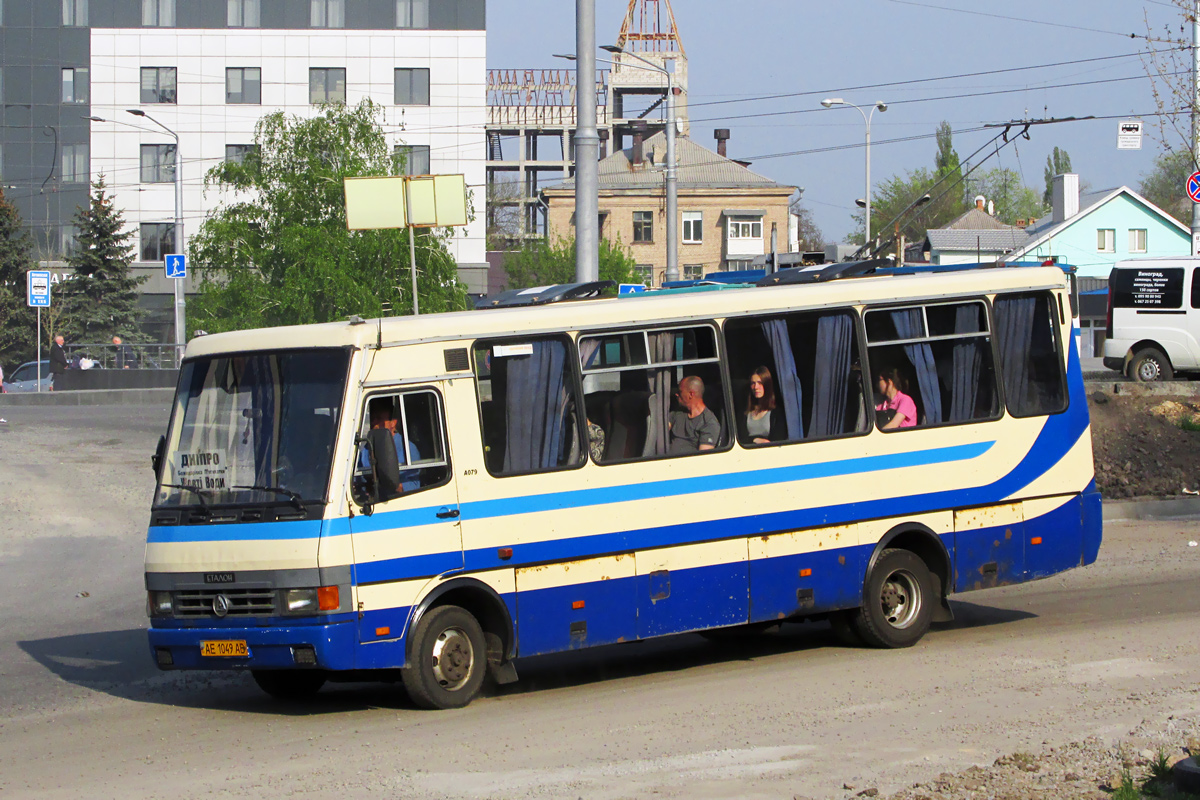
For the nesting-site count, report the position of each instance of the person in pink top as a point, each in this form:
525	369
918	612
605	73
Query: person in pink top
888	382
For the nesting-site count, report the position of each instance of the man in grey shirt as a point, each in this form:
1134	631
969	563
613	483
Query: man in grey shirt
696	428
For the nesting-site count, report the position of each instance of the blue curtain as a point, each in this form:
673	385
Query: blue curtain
535	408
787	383
966	360
831	380
662	387
1014	333
909	326
259	379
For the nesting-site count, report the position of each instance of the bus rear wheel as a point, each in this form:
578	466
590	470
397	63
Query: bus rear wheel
897	604
1149	364
449	659
289	684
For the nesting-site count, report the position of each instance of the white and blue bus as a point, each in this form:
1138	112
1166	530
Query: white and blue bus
427	499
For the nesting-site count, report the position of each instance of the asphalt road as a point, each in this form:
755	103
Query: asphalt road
84	713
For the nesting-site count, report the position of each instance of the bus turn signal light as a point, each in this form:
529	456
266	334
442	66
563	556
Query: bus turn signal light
1036	540
805	573
328	599
578	604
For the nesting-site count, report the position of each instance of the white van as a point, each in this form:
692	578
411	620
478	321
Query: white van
1153	325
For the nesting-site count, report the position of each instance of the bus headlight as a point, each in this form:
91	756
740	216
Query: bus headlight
159	604
310	601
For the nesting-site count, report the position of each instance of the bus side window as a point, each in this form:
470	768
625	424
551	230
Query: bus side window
419	437
1030	358
529	406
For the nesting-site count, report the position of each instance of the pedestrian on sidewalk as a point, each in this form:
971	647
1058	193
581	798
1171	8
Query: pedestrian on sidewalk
58	359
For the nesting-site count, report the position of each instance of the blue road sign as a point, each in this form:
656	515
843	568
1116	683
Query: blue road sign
1193	187
38	288
176	266
630	288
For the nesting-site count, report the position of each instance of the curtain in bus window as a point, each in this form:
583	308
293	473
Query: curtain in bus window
535	406
909	326
260	399
589	350
787	382
662	388
1014	333
966	361
831	378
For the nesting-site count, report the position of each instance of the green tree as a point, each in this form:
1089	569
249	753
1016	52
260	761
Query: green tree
810	235
278	252
1164	186
540	263
1057	163
101	299
17	320
1004	188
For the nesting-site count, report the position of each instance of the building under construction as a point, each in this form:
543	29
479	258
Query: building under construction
532	117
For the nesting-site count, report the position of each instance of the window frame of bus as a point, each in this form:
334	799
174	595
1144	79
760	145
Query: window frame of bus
360	436
860	335
1060	352
719	360
577	386
990	334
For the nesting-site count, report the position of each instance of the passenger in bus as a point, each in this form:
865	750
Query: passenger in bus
895	409
696	428
761	423
383	416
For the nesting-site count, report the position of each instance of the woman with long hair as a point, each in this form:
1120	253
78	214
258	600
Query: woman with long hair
761	423
896	409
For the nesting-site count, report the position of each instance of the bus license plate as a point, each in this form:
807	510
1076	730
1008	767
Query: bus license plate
233	648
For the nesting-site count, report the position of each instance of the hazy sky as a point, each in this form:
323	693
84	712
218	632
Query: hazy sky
744	49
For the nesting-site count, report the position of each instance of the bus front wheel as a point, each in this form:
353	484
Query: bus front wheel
449	658
897	605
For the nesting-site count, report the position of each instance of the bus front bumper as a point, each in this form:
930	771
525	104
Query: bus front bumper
329	646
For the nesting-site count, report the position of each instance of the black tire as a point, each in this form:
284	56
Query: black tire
448	659
1150	364
289	684
842	623
897	601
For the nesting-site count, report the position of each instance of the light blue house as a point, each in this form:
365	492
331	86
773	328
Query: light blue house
1095	231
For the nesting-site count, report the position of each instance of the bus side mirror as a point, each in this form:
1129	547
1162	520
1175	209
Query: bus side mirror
385	467
156	460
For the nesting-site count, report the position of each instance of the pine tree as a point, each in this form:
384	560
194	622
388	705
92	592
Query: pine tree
17	320
101	299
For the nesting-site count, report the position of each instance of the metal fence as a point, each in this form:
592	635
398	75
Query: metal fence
136	356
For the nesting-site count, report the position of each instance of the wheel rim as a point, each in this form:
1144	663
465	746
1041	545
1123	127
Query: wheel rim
1148	370
900	598
453	659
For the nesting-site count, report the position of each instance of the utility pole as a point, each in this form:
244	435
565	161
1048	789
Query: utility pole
587	147
1196	119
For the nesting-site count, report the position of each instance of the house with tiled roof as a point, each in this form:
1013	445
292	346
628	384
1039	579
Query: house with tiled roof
726	210
973	237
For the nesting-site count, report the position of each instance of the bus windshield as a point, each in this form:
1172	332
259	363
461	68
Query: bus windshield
254	428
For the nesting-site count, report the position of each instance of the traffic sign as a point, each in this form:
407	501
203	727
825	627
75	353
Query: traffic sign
1193	187
38	288
631	288
1129	134
176	265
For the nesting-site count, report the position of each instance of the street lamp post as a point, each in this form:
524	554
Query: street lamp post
587	147
180	301
829	102
672	175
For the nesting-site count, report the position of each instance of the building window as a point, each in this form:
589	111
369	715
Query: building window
243	85
158	240
327	13
643	226
237	153
158	163
412	87
412	159
1137	240
75	85
158	13
1106	240
745	228
693	227
412	13
242	13
68	240
327	85
645	272
693	272
75	13
158	85
75	163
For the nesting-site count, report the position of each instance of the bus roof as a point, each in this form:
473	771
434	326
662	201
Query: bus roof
616	312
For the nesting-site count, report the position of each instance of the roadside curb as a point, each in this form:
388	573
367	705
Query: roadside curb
1157	508
91	397
1131	389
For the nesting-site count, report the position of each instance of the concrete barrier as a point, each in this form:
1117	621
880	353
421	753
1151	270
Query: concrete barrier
74	380
91	397
1152	508
1156	389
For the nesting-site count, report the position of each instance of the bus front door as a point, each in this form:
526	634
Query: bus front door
412	533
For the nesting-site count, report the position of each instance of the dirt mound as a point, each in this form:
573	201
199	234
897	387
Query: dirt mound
1145	446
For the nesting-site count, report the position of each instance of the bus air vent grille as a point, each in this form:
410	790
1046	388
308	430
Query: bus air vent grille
457	360
242	602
